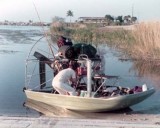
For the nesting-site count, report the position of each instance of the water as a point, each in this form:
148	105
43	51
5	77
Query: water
132	74
15	43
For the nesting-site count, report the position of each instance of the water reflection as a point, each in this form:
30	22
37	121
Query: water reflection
151	70
8	51
25	36
144	67
61	112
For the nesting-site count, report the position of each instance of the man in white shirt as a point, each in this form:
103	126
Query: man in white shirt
61	81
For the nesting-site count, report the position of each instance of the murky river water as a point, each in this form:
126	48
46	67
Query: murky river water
15	43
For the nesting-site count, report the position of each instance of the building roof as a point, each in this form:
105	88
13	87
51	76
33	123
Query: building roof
92	18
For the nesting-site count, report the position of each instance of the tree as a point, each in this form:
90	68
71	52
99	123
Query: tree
6	21
120	19
70	14
109	17
58	19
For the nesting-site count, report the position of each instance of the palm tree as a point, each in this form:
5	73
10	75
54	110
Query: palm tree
70	14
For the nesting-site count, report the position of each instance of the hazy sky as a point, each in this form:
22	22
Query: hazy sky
23	10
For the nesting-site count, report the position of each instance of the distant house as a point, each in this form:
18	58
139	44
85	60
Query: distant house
92	19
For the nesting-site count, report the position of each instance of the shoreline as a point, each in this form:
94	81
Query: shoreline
111	121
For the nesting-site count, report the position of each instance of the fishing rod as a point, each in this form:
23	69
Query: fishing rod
45	33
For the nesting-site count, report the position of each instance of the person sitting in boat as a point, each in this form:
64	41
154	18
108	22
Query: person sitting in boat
61	81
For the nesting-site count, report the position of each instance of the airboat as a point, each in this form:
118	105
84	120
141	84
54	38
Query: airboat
95	94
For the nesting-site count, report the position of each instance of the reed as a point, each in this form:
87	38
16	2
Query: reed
146	43
141	43
82	35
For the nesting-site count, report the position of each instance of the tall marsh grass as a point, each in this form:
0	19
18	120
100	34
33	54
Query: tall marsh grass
146	41
142	42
